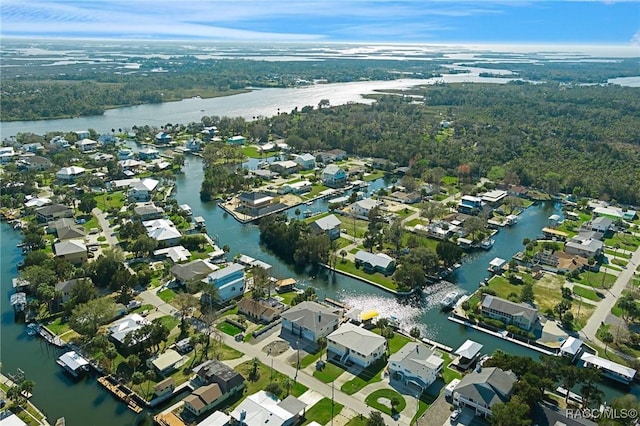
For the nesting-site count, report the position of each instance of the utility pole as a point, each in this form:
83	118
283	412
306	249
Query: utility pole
332	401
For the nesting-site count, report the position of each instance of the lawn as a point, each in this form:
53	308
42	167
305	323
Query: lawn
503	287
107	201
618	253
311	358
329	373
597	279
315	190
624	241
91	223
264	377
414	222
449	374
371	374
449	180
373	398
586	293
228	328
169	321
251	151
167	295
357	421
377	278
58	327
351	225
321	412
287	297
368	177
396	342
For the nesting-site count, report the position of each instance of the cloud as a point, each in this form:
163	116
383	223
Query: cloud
635	39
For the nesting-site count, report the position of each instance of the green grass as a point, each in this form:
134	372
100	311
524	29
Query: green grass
287	297
357	421
449	180
58	327
321	412
586	293
263	379
396	342
169	321
624	241
147	307
91	223
617	253
167	295
503	287
228	328
329	373
251	151
414	222
377	278
619	262
311	358
315	190
110	200
372	401
373	176
595	279
371	374
449	374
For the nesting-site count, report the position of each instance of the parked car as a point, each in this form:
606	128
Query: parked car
454	415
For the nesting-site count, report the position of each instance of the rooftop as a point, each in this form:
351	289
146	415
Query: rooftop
357	338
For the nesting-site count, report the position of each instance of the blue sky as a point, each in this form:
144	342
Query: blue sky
481	21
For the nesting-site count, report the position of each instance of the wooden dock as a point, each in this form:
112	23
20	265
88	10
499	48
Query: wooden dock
336	303
121	392
50	337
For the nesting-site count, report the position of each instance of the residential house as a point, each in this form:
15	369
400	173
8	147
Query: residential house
148	211
353	344
60	142
70	174
309	321
362	208
218	418
163	138
470	205
600	224
213	371
285	167
203	399
195	270
375	262
518	191
164	387
299	187
334	177
306	161
548	414
142	191
236	140
35	148
36	163
405	197
616	212
175	253
253	202
165	363
75	251
325	157
37	202
70	232
163	231
86	145
229	281
262	408
259	310
571	348
7	154
584	245
480	390
120	329
416	365
329	225
147	154
106	140
53	212
338	154
131	166
494	198
125	154
509	312
82	134
65	288
193	145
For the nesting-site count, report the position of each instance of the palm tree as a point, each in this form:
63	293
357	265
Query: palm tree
343	253
286	382
133	361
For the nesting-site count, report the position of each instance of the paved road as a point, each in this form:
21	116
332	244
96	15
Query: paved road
106	227
604	307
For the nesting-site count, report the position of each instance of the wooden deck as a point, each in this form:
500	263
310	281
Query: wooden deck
117	389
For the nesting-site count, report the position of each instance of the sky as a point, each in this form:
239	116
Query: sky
397	21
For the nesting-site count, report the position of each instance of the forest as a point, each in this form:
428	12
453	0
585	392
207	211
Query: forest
581	139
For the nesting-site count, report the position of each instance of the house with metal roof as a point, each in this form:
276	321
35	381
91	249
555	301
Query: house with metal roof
309	320
480	390
306	161
609	369
75	251
262	408
416	366
229	281
334	176
375	262
362	208
351	344
467	353
585	245
166	362
509	312
119	330
329	225
70	174
195	270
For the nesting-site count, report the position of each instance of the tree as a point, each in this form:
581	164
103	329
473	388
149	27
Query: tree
149	376
409	276
137	378
144	246
394	233
448	252
343	254
512	413
526	295
473	225
607	339
87	317
261	282
110	353
415	332
569	376
375	419
133	361
185	304
562	307
255	364
83	291
87	203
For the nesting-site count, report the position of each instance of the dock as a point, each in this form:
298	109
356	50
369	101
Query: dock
121	392
337	304
50	337
438	345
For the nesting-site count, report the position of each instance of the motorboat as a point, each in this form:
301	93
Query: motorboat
450	299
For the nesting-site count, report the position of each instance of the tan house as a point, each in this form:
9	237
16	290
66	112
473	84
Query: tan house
75	251
203	399
258	310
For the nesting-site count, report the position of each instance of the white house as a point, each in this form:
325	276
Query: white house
119	330
142	191
70	174
306	161
480	390
7	154
362	208
416	365
163	231
86	145
333	176
229	281
350	343
262	409
309	320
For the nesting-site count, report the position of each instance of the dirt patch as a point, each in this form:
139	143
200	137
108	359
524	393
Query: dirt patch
277	348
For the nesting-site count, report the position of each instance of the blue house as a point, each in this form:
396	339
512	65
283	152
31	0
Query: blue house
470	205
148	154
163	138
236	140
306	161
193	145
333	176
229	281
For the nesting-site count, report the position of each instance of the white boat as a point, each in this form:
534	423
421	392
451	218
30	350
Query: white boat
487	244
450	299
73	363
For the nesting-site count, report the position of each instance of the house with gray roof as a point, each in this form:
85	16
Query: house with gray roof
148	211
329	225
306	161
416	366
309	321
213	371
193	271
585	245
375	262
53	212
509	312
333	176
600	224
480	390
351	344
75	251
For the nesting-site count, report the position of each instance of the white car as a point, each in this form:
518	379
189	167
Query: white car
454	416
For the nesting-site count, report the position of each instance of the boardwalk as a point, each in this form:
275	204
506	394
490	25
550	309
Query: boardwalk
117	390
